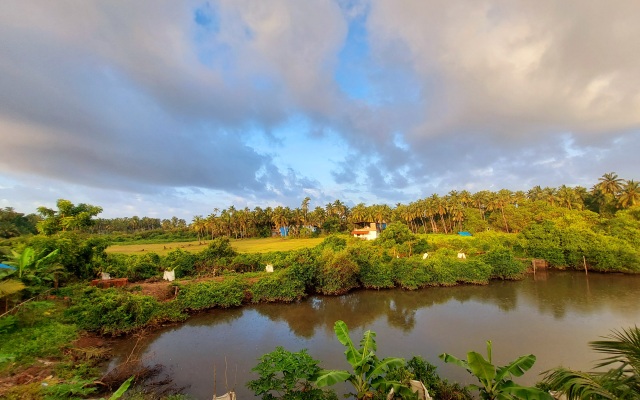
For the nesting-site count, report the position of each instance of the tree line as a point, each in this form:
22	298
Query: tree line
504	210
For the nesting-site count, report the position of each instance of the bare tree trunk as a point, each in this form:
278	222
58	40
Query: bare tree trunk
504	219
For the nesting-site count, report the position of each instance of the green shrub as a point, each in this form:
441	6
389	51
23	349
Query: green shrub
209	294
170	311
36	332
246	262
218	248
287	375
543	241
78	255
442	266
133	267
74	389
112	311
143	267
302	265
375	270
116	265
503	264
182	262
338	273
613	254
472	270
278	286
333	242
8	324
412	273
46	339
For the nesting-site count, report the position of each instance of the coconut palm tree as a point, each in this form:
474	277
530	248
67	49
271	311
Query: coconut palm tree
441	209
609	183
535	193
622	381
198	224
629	195
358	214
304	207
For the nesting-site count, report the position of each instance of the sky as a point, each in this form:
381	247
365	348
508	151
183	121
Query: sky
174	108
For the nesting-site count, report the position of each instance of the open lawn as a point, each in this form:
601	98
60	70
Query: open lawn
264	245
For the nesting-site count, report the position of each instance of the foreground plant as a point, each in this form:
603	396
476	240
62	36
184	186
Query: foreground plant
620	382
287	375
496	382
369	372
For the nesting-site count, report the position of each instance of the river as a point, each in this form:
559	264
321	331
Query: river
552	315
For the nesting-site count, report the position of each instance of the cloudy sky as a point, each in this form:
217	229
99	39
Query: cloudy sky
162	108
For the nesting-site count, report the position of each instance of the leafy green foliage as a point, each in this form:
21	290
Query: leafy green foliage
143	267
246	262
497	382
209	294
133	267
398	239
74	389
217	249
278	286
412	273
8	323
543	241
122	389
338	273
622	381
368	375
68	217
503	264
333	242
302	265
180	261
375	270
80	256
112	311
287	375
35	331
13	224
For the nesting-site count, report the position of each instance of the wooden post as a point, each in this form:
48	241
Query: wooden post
584	261
533	262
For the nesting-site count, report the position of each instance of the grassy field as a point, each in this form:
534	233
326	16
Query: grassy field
240	245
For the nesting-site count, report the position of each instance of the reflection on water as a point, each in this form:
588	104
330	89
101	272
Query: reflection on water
552	315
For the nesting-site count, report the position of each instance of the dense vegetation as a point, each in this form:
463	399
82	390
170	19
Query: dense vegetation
56	252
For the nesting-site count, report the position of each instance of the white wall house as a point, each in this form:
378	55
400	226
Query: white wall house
370	232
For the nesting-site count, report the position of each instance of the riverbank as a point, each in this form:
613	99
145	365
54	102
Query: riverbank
553	316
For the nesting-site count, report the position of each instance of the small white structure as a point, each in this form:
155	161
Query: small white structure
269	268
462	255
419	388
425	256
105	276
169	275
227	396
416	387
370	232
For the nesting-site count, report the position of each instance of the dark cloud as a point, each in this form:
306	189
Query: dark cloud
171	98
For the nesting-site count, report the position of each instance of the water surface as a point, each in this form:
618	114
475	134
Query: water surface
552	315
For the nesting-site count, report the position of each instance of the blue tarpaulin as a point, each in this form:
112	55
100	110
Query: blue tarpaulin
464	233
7	266
284	231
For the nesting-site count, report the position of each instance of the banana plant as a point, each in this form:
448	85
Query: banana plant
369	372
29	260
496	382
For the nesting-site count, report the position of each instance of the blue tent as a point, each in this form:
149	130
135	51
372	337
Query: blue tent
464	233
5	266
